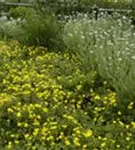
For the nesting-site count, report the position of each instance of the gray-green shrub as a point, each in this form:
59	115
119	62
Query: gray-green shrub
107	45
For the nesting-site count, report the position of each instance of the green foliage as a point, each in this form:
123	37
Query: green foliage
33	27
38	111
42	28
19	12
9	28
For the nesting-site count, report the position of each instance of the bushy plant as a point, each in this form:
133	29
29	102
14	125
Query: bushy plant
19	12
38	111
9	28
34	107
106	45
34	27
42	28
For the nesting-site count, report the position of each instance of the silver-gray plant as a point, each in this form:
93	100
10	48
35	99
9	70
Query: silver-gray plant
109	45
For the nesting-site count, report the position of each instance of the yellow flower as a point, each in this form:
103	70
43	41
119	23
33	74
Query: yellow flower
26	125
38	116
78	132
9	145
44	129
127	138
121	123
10	110
53	127
133	124
61	135
127	126
76	141
16	142
12	135
97	97
118	146
36	122
45	110
19	124
130	106
99	137
84	146
50	138
34	147
37	105
78	87
88	133
103	144
67	142
26	136
36	131
71	118
119	113
19	114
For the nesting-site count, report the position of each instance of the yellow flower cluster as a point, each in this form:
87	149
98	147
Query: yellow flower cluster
110	98
44	104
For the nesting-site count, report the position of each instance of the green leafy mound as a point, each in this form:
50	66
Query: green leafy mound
32	26
48	102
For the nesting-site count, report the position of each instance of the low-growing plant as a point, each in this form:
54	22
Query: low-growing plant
37	111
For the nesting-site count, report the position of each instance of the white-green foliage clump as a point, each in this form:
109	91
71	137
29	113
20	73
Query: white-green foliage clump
107	44
33	27
9	27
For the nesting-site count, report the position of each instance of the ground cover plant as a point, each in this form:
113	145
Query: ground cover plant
48	102
72	90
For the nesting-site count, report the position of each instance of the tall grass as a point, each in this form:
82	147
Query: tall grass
42	28
37	27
